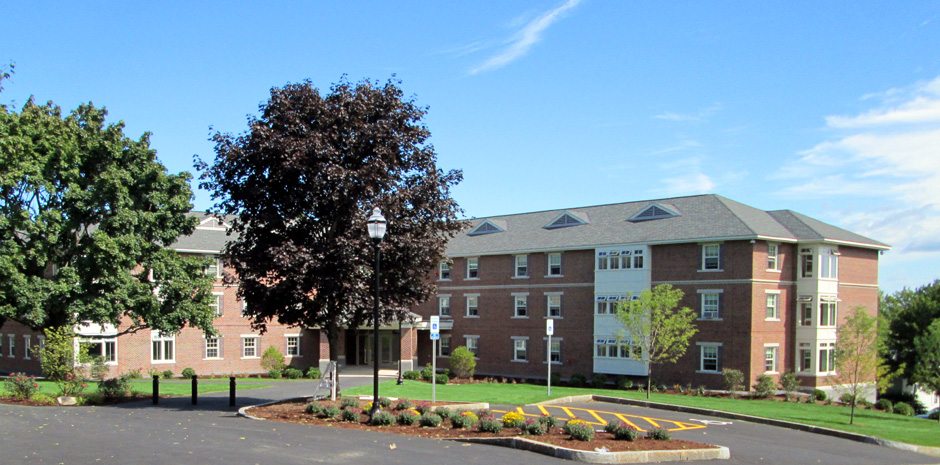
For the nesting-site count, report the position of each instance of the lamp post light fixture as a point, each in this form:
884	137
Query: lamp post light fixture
376	224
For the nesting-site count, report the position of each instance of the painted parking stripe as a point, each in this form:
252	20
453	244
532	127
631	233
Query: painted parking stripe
568	411
542	410
594	413
596	417
626	420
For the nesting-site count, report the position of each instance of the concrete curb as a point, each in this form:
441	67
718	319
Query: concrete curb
243	412
648	456
926	450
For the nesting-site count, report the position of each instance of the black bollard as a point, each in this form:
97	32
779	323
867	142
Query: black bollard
195	389
156	389
231	391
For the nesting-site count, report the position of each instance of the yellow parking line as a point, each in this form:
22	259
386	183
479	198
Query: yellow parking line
627	421
651	421
521	412
568	412
594	413
543	410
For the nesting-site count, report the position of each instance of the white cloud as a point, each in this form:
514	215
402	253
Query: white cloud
523	40
686	184
700	115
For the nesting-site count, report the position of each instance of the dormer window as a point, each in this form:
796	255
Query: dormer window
565	220
654	212
485	227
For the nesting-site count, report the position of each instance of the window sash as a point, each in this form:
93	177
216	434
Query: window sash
555	351
711	257
520	352
473	308
213	348
554	305
521	266
473	268
473	345
772	312
710	306
772	256
521	306
293	346
709	358
443	306
554	264
443	346
770	359
444	270
249	347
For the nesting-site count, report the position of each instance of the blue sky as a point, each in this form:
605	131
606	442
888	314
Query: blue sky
828	108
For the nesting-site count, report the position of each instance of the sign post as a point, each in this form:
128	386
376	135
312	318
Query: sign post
549	331
435	336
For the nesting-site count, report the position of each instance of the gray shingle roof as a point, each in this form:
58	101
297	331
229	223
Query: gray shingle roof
702	217
208	238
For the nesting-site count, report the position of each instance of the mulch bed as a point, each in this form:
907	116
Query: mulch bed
293	412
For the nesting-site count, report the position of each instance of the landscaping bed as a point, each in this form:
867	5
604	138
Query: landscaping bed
297	412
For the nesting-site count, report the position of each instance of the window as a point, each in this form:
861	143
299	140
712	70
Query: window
213	347
249	346
806	314
827	313
711	257
827	357
554	264
709	358
829	264
602	260
443	305
772	256
806	358
710	304
473	268
806	263
554	353
637	259
214	268
42	342
473	305
162	347
216	303
770	359
554	305
106	348
602	306
444	271
1	345
520	350
11	345
615	260
293	345
27	347
521	266
600	348
443	346
520	306
772	312
473	344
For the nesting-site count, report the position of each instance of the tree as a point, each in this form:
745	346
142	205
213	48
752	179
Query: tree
86	216
462	362
908	315
927	368
856	357
298	187
657	327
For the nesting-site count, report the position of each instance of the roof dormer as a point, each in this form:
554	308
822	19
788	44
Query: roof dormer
486	227
566	219
655	211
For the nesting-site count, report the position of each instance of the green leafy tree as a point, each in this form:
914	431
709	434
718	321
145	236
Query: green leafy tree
299	186
908	314
927	369
856	358
657	327
462	362
272	360
86	216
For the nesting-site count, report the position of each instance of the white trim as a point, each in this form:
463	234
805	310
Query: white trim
516	286
197	251
27	345
519	294
709	291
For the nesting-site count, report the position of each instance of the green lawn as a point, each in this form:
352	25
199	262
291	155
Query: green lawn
168	387
869	422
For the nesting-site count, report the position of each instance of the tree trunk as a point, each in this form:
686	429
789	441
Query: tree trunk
332	338
852	414
649	380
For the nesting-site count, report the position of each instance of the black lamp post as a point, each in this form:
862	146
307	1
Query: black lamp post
377	226
400	379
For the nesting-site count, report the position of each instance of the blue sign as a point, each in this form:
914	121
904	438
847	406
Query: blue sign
435	336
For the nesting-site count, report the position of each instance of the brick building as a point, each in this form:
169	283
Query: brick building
769	289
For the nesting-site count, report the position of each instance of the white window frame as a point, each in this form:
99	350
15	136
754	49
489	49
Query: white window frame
771	356
556	341
1	345
287	345
520	266
772	305
548	304
27	346
523	299
828	313
206	348
806	309
443	310
706	294
444	341
828	263
472	306
443	269
104	341
773	259
827	357
217	264
472	343
807	259
218	306
711	262
255	346
520	343
164	342
473	268
708	346
11	345
804	352
554	256
602	262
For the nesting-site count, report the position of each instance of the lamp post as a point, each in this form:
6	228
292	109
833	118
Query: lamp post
377	225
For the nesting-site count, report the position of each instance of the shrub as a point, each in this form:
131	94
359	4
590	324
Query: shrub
385	402
764	387
819	395
404	404
488	424
430	420
658	434
348	402
153	372
313	373
909	399
556	378
423	407
847	398
534	427
293	373
789	382
462	362
580	430
330	411
465	420
441	378
133	374
382	418
99	370
21	386
885	404
549	421
407	417
275	374
733	379
313	408
167	374
902	408
72	385
444	413
413	375
864	403
272	359
513	420
188	373
599	380
577	379
57	356
114	388
625	383
427	372
350	414
622	431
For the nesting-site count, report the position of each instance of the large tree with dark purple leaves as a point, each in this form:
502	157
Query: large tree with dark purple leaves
298	187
